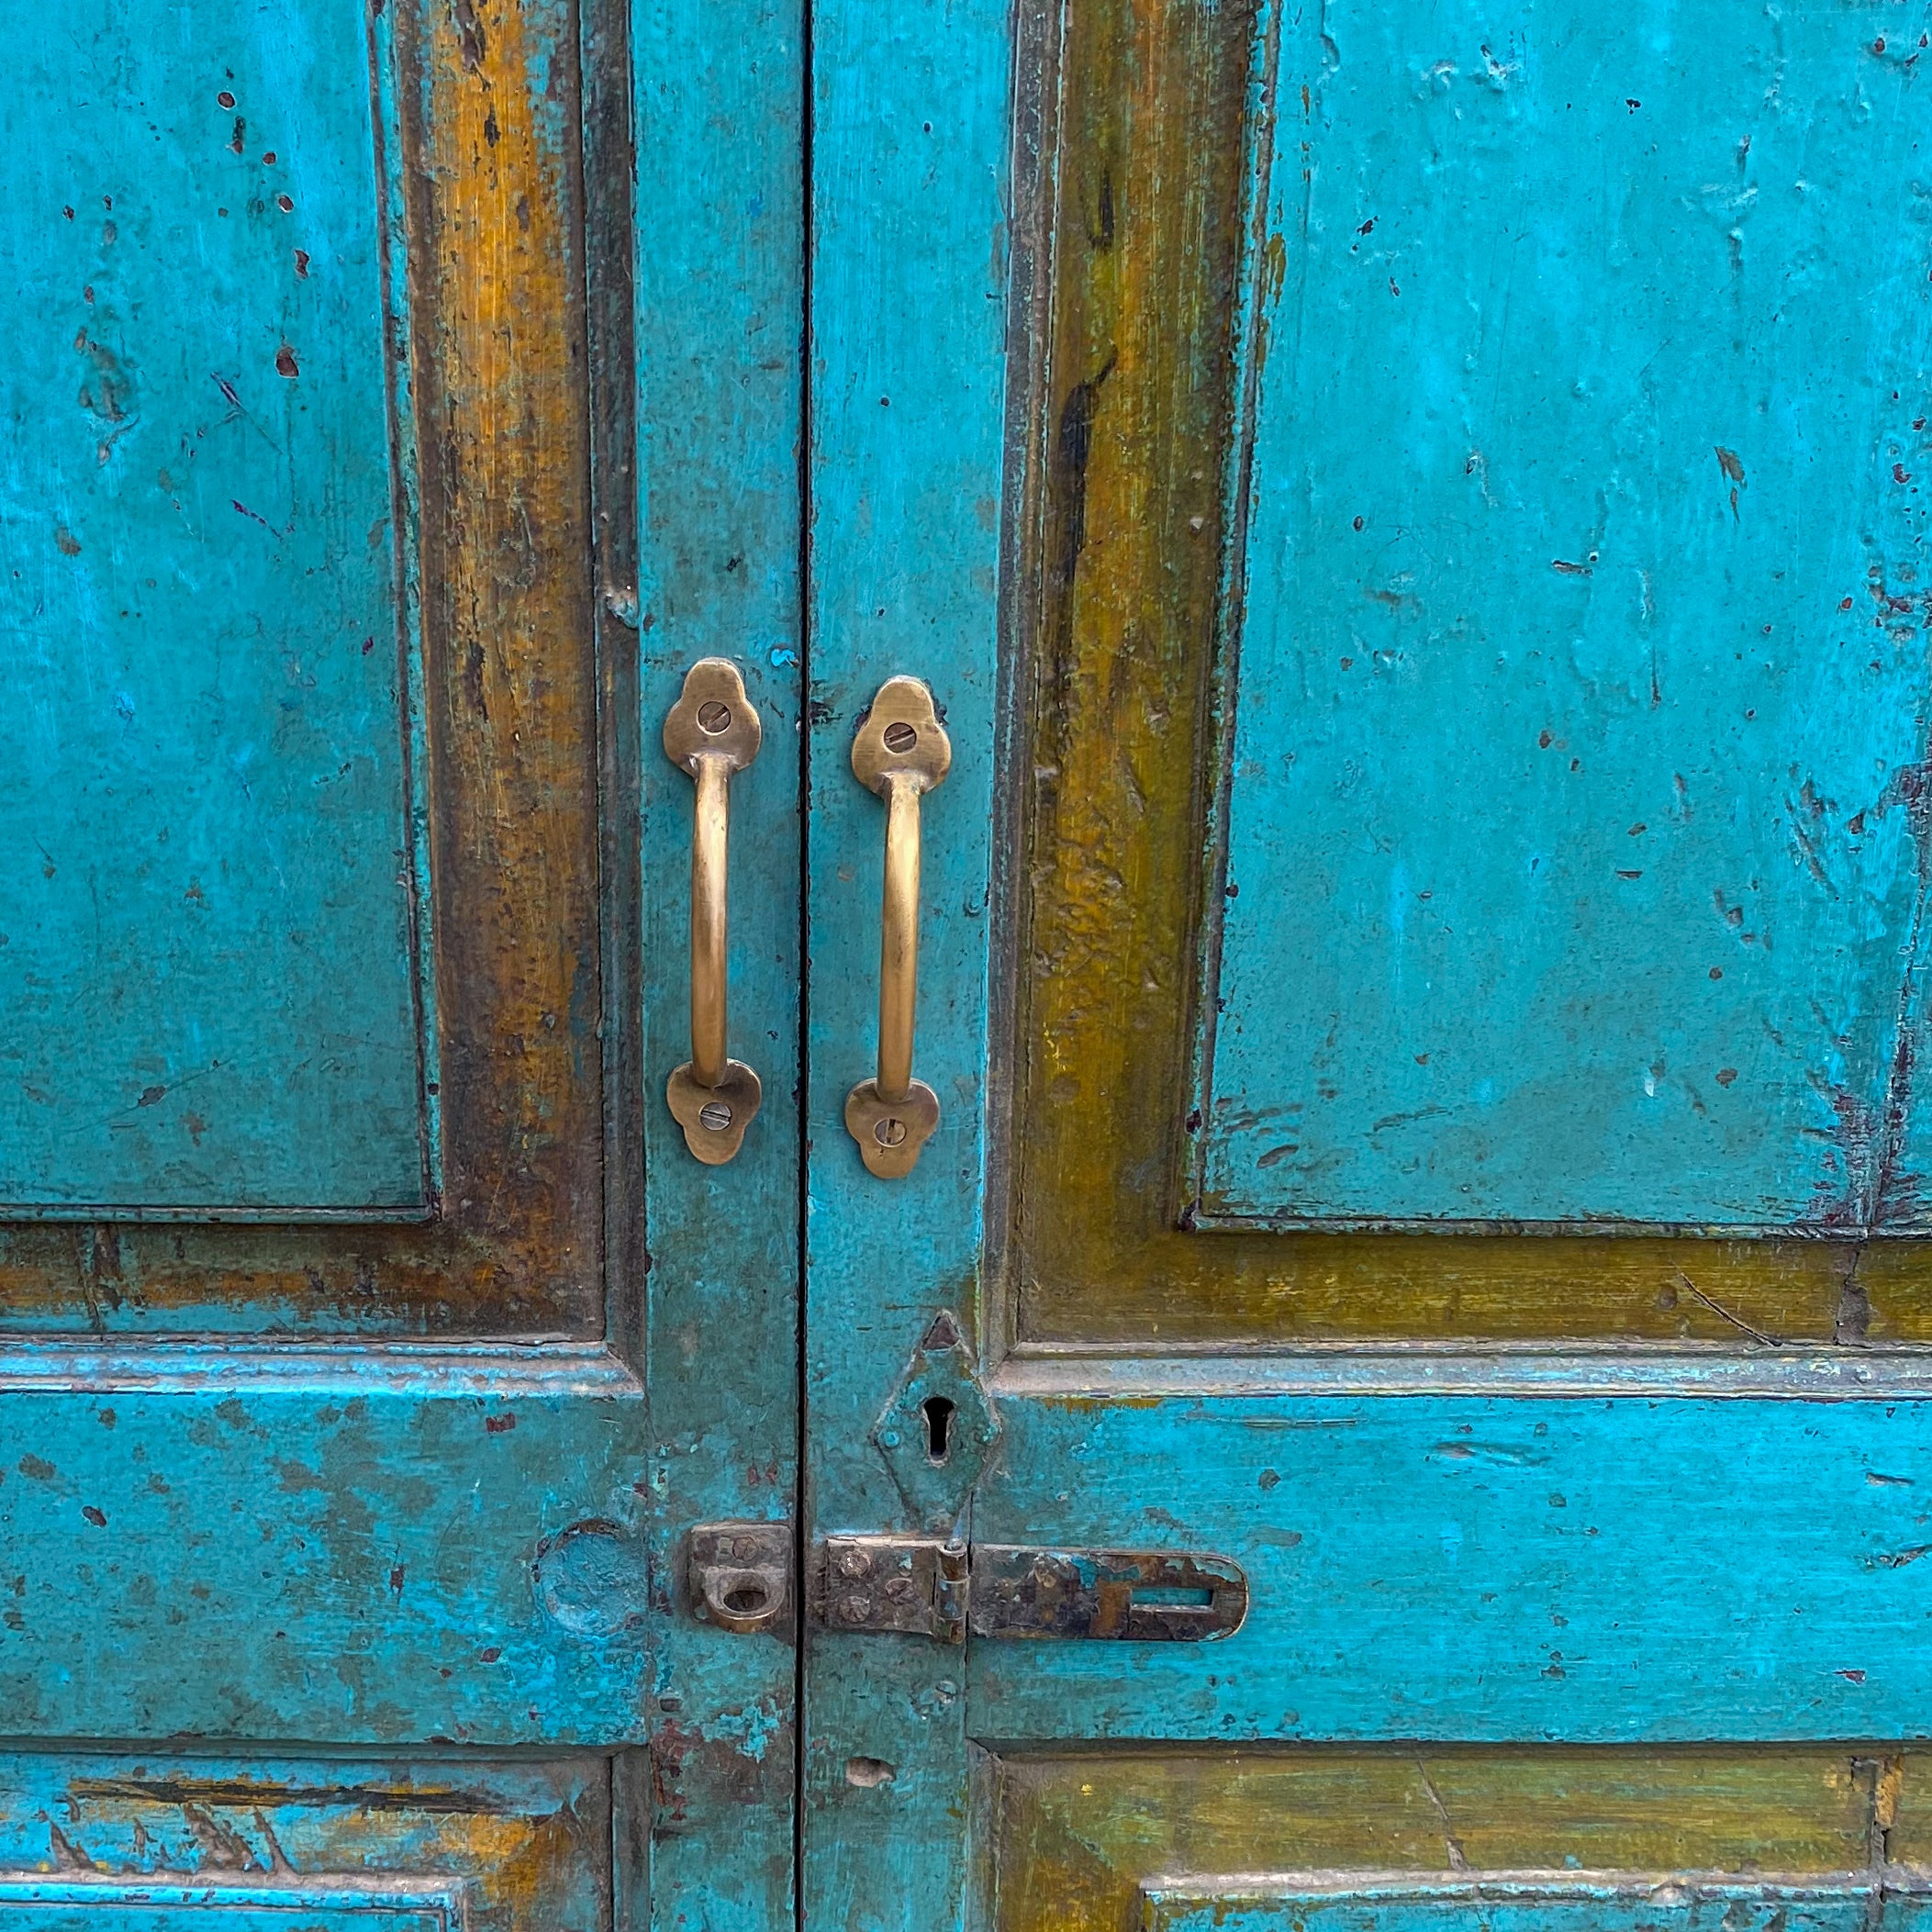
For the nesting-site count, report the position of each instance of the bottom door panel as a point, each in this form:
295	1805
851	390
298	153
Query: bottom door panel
161	1843
1398	1839
137	1908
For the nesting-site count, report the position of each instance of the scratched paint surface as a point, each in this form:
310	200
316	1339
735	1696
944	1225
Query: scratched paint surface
1574	851
205	896
349	1545
275	1842
1605	1566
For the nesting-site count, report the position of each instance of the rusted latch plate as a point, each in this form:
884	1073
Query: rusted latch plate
905	1583
924	1588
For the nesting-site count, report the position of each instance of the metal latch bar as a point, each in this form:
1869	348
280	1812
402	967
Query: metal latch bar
921	1587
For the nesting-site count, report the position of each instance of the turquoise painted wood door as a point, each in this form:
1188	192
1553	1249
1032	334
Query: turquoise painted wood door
354	1273
1414	521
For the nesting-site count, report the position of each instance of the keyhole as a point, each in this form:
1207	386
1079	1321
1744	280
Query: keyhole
900	737
938	1412
889	1133
714	716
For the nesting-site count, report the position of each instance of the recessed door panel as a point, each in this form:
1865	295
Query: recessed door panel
315	935
211	901
1570	868
1163	597
1268	1839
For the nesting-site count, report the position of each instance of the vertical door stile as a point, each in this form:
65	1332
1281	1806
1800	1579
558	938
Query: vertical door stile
610	252
909	241
718	114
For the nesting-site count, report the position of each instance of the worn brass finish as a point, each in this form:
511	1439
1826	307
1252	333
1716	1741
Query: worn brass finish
714	1118
901	753
710	922
891	1133
711	731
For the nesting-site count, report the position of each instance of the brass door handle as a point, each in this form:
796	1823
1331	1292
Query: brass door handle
711	731
901	753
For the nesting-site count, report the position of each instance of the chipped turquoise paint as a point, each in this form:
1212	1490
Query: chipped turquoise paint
365	1546
1498	1562
1575	812
206	853
1548	1903
907	371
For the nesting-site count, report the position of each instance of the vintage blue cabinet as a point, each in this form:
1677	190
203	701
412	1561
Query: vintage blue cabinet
965	965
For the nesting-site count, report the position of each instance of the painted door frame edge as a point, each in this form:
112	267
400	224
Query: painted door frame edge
609	204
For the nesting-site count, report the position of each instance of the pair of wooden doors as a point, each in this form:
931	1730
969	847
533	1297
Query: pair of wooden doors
1392	1394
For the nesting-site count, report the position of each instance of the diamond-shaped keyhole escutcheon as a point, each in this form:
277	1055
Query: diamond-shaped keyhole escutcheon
940	1429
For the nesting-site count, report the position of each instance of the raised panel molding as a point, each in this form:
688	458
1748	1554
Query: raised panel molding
160	1841
31	1905
1530	1902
